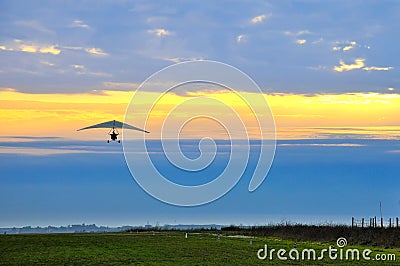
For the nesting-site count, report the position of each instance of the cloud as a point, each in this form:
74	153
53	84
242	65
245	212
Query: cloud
345	46
36	49
130	86
25	138
79	24
259	19
181	59
390	89
349	47
36	151
47	63
301	41
173	59
82	70
90	50
298	33
322	144
20	46
73	48
28	48
358	63
374	68
50	50
56	150
78	66
121	85
241	38
8	89
97	74
318	68
160	32
96	51
393	151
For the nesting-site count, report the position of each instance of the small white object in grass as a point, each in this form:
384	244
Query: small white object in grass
251	242
186	235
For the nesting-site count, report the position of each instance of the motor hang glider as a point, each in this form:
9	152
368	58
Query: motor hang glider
113	125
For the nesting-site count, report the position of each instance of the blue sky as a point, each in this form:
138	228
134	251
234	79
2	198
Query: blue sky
285	46
311	181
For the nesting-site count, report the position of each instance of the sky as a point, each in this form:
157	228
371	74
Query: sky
286	46
60	182
328	70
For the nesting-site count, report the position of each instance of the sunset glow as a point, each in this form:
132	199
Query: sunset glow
61	114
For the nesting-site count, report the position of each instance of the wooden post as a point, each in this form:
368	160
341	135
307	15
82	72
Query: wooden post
382	222
397	222
362	223
390	222
352	221
375	221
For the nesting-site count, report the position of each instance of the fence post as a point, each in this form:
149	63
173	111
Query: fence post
390	222
397	222
362	222
352	221
382	222
375	221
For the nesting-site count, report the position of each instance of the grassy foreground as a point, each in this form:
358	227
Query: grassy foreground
159	248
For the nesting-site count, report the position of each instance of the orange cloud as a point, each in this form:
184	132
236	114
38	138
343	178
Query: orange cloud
18	45
301	41
50	50
358	63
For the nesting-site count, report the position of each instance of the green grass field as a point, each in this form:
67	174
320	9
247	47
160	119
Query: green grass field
159	248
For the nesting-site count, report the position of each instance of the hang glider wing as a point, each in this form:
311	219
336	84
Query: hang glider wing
113	124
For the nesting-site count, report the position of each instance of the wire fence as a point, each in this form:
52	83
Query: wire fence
375	222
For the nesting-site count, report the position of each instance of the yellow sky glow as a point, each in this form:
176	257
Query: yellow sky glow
296	115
